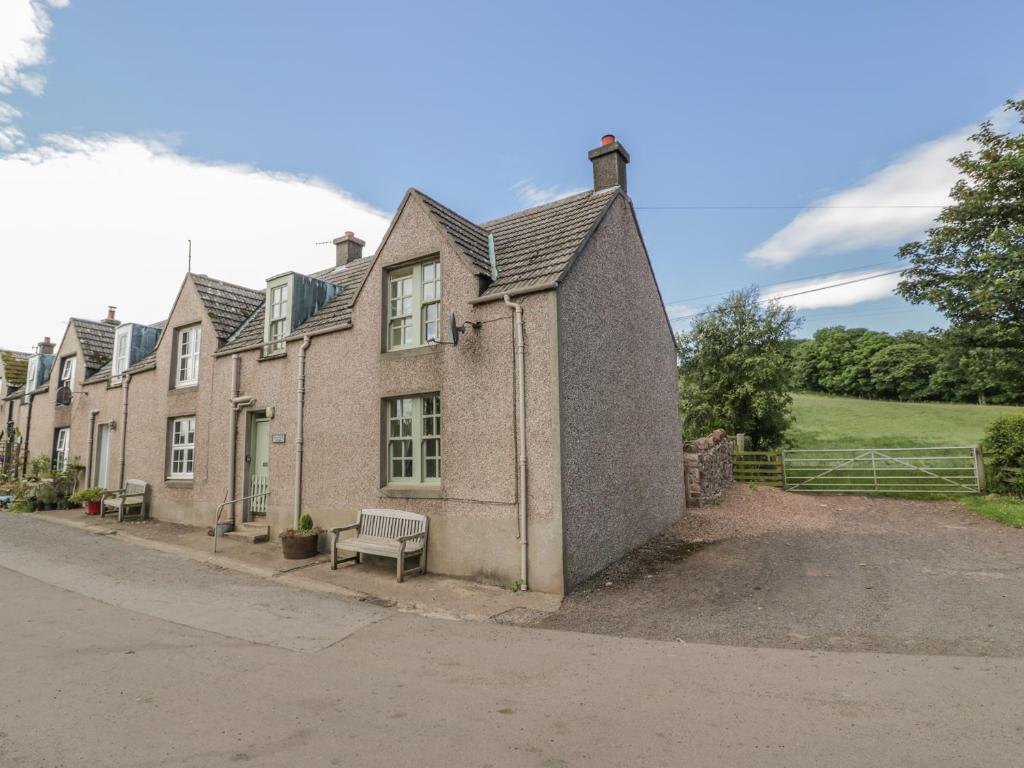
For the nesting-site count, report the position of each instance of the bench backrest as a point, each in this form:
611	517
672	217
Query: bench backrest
136	488
390	523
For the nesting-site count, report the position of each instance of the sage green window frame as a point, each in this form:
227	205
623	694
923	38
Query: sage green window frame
413	305
412	436
278	314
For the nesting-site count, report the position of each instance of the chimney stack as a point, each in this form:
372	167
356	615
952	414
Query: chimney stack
348	248
609	161
110	319
45	347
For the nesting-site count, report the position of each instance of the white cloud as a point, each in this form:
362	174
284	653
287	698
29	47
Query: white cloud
849	288
531	195
105	220
857	217
677	313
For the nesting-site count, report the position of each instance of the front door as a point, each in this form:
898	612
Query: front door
102	454
259	465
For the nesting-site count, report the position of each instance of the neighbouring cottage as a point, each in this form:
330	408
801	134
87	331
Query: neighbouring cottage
544	445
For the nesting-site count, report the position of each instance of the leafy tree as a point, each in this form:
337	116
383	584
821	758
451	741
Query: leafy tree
735	369
902	370
971	264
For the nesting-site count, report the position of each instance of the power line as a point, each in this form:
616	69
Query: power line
791	280
777	207
810	290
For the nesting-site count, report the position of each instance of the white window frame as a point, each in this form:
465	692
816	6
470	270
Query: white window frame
33	372
60	449
413	305
279	302
187	347
122	351
67	372
181	448
412	437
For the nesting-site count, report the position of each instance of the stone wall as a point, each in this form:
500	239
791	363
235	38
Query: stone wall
708	462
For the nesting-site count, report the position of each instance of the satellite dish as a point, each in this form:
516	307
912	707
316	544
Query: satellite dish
64	395
454	330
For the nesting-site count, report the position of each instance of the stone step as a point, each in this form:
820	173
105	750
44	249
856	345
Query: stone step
254	533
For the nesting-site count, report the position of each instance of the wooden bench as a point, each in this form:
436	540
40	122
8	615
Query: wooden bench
132	500
387	533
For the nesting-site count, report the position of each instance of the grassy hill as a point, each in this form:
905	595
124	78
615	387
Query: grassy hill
823	421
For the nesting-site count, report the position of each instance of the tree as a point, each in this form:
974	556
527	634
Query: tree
971	264
735	369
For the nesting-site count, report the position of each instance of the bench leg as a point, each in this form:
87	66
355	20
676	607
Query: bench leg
401	565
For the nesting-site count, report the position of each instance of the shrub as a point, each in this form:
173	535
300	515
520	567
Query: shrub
1004	448
86	494
306	523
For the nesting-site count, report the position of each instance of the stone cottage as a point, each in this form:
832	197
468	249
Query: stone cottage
543	445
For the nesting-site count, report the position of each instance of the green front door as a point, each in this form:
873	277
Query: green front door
259	465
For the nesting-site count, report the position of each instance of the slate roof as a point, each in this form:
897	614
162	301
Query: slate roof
96	339
335	313
535	246
227	304
468	237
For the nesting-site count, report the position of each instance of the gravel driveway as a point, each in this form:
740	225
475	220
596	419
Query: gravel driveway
775	569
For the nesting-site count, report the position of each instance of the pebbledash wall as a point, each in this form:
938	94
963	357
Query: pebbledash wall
708	462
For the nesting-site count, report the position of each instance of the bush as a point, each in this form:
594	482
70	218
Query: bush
1004	448
86	494
306	523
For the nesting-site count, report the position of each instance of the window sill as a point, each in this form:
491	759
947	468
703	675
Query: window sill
273	356
425	349
178	482
185	387
411	491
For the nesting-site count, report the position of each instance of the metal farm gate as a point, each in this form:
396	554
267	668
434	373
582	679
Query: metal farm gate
956	469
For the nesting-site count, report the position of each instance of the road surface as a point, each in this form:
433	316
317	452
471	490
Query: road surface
114	655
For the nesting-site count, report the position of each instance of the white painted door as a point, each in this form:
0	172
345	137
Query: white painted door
102	454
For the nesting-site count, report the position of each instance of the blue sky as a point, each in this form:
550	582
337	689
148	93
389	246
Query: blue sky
487	106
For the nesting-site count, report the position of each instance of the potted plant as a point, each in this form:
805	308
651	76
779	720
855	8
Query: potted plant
46	496
39	468
300	543
90	497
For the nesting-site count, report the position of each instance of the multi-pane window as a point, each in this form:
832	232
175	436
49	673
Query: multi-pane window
277	325
414	439
414	305
122	348
67	372
183	446
60	449
187	366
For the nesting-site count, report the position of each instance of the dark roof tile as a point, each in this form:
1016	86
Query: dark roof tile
227	304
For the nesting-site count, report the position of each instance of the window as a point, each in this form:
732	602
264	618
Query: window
122	348
277	318
414	439
67	372
60	449
187	368
414	305
183	447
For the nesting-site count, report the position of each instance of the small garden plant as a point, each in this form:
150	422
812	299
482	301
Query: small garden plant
86	495
305	528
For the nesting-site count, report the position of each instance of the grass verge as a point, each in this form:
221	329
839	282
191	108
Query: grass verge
1005	509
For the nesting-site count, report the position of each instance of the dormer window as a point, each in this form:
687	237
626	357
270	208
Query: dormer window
122	350
67	372
278	324
186	367
414	305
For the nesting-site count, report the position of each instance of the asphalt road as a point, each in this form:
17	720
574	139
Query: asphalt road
112	655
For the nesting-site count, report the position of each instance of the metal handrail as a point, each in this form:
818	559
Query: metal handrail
216	519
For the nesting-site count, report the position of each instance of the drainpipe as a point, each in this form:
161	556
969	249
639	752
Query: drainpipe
299	419
126	382
520	363
233	439
28	433
88	447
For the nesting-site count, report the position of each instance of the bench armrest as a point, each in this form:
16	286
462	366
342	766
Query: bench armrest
112	494
411	537
341	528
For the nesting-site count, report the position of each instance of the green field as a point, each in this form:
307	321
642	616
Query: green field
823	421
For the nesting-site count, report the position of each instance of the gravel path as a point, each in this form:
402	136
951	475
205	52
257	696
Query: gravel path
772	569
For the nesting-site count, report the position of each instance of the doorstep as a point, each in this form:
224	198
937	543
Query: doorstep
430	594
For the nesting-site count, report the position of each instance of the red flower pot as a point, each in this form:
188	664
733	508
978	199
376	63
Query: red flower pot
92	507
